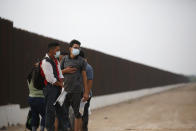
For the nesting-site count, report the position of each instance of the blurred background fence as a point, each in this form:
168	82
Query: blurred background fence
19	49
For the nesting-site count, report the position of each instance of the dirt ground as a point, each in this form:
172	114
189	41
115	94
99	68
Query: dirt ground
173	110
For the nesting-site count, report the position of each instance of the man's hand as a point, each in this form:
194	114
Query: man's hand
58	83
61	84
85	96
69	69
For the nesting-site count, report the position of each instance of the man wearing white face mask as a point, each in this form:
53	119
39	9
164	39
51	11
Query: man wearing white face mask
74	70
51	72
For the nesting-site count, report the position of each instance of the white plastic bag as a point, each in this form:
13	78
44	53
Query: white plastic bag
82	105
61	98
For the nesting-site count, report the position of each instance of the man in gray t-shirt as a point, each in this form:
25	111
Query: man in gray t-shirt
73	82
75	79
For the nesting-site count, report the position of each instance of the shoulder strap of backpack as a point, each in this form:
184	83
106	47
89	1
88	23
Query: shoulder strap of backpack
29	77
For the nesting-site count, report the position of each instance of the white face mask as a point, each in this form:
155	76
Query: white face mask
75	52
57	54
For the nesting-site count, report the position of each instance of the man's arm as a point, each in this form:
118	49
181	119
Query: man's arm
58	83
60	71
90	76
69	69
86	89
89	84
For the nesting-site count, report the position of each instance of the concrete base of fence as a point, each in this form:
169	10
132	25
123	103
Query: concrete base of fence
102	101
13	114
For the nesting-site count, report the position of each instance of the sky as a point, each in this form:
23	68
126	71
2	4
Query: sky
158	33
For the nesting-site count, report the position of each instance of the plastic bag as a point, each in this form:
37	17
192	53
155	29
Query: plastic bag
61	98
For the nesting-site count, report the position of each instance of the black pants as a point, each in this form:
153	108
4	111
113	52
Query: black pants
73	99
85	116
51	93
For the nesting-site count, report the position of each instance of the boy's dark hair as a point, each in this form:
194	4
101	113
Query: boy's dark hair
82	54
64	53
52	45
74	42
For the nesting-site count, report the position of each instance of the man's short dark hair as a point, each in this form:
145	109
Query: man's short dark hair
64	53
82	54
74	42
52	45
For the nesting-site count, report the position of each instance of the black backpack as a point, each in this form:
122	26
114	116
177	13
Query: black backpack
37	76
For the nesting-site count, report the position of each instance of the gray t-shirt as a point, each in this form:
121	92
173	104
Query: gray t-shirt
73	82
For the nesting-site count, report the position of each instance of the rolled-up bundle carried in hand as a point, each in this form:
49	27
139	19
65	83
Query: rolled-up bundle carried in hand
61	98
82	105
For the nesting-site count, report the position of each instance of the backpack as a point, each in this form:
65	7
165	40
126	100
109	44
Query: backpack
37	76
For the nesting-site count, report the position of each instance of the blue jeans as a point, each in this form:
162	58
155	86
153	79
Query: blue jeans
38	108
